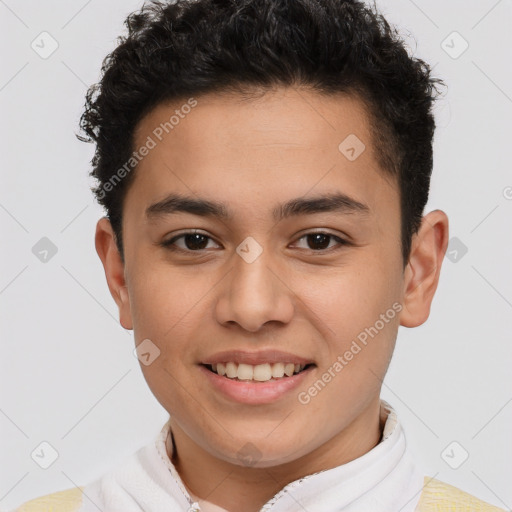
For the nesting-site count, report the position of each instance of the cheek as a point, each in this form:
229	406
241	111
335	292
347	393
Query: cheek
357	303
354	310
165	306
165	300
351	297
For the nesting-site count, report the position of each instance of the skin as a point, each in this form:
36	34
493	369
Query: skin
298	296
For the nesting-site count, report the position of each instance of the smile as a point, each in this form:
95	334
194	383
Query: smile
256	385
256	373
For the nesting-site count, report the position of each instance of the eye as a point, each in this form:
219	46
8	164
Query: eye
193	241
320	241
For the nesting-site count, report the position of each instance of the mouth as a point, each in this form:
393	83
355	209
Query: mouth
266	372
260	384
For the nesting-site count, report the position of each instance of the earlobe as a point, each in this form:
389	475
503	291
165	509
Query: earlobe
423	269
113	265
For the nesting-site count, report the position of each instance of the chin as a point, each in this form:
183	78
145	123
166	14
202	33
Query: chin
260	455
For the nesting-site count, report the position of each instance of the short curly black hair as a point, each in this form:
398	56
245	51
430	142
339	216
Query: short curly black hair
175	50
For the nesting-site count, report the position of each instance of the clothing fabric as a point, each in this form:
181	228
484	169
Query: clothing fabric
385	479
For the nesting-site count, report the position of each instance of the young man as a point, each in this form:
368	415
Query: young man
264	165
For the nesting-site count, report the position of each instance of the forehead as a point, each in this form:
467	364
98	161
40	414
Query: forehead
240	149
284	117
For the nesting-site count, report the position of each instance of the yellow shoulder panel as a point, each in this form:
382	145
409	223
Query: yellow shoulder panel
63	501
440	497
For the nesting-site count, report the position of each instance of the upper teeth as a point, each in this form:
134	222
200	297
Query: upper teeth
260	372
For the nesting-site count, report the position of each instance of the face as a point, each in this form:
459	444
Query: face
295	258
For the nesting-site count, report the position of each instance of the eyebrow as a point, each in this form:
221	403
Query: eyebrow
175	203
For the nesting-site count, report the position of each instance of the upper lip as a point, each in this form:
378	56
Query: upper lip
254	358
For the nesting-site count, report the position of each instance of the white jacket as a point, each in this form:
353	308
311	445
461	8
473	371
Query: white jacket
385	479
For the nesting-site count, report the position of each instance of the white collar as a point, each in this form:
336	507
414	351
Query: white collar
385	478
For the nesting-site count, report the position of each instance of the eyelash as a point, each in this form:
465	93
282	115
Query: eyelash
169	244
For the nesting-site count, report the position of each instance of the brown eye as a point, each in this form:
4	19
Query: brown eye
321	241
191	242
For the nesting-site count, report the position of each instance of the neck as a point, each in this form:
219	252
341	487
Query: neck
233	487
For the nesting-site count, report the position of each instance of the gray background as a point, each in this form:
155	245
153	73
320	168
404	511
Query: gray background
68	373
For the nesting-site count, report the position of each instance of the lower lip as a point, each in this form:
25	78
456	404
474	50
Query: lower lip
255	393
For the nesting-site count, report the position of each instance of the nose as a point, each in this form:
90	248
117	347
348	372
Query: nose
253	295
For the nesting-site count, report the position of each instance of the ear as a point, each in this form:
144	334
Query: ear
422	272
108	252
